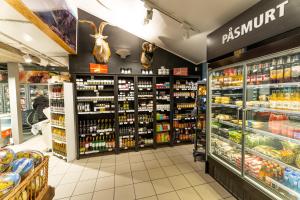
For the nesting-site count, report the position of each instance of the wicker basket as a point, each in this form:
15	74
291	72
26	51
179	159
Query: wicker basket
34	186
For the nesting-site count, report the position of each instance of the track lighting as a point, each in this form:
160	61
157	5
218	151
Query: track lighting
149	12
27	58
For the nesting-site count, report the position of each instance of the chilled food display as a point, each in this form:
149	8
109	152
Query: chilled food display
231	77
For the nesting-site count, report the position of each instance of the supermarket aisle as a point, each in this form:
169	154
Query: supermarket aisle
164	174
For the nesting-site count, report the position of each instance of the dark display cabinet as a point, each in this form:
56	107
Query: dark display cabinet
129	112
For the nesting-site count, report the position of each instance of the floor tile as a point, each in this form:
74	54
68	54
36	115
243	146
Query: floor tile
54	180
188	194
123	179
95	159
144	189
89	174
85	187
124	193
149	198
93	165
171	170
105	183
136	158
179	182
165	162
140	176
104	194
184	168
162	186
138	166
168	196
207	192
160	155
148	157
150	164
206	177
70	178
78	168
177	159
106	171
88	196
220	190
194	178
230	198
148	151
63	191
156	173
121	169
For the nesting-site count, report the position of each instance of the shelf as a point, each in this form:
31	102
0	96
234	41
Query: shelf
126	90
145	132
56	98
5	115
97	98
96	151
275	85
56	126
280	137
225	105
163	110
125	123
95	113
229	88
189	128
185	89
95	134
186	118
59	141
162	119
260	109
184	97
145	122
148	89
145	110
261	155
162	131
283	187
125	99
126	111
97	90
185	108
145	145
227	123
126	136
162	88
59	155
227	141
57	112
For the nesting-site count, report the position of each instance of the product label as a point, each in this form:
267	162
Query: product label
295	71
273	74
287	73
279	74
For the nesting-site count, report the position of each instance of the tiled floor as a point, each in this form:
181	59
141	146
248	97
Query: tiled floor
163	174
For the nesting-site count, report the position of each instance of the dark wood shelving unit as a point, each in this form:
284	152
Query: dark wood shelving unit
155	79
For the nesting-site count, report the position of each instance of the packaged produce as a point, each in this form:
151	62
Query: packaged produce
6	157
8	181
287	156
36	156
291	146
22	166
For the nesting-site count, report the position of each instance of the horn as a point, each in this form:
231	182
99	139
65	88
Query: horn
101	27
92	24
144	45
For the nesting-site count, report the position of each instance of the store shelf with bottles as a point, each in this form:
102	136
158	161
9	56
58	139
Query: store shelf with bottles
96	114
145	104
63	139
184	98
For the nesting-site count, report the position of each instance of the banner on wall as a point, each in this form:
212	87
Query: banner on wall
262	21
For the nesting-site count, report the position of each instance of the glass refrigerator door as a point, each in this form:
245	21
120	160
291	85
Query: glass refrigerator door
272	137
226	101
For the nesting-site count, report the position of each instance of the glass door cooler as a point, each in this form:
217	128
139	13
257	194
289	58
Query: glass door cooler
254	113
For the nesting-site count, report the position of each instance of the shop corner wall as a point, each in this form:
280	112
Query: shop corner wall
118	38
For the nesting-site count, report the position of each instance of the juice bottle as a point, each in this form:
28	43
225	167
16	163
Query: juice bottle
296	68
273	99
266	72
287	75
279	70
280	99
287	98
259	77
249	71
273	71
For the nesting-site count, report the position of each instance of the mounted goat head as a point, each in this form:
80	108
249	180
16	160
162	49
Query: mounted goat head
101	51
147	54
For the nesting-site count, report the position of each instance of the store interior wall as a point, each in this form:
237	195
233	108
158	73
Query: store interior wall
117	39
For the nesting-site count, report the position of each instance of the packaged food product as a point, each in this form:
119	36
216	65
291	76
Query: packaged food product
8	181
22	166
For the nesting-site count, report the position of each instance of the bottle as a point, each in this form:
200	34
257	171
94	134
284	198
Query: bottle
249	74
259	76
279	70
273	71
266	72
253	74
287	70
296	68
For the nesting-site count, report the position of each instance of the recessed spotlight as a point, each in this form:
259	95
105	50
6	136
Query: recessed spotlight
27	58
27	37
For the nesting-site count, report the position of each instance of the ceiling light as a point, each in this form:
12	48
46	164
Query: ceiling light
149	15
27	37
27	58
186	30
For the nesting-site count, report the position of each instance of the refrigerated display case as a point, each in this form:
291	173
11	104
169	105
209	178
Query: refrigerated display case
4	99
254	129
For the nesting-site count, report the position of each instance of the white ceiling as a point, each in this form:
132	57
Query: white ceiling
26	34
205	15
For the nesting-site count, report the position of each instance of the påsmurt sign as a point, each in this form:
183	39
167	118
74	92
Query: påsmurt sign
264	20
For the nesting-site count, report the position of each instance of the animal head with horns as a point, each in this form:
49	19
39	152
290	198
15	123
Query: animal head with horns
101	51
